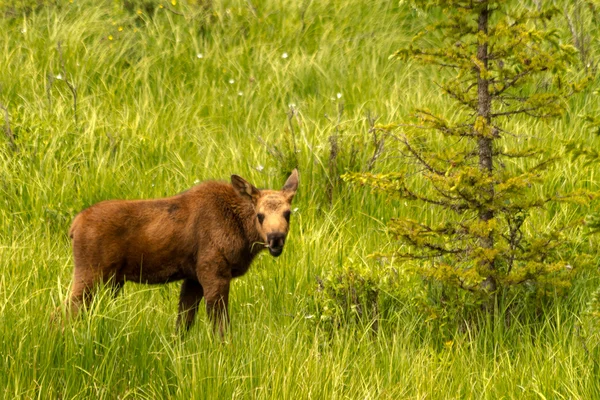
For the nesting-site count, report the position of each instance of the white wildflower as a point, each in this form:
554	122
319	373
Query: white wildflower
284	55
231	81
200	55
339	95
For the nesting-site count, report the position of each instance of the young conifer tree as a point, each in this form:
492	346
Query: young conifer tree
500	61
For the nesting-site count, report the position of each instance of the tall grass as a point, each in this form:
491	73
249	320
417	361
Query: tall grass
165	100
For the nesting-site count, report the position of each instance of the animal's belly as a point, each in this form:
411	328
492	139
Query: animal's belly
155	277
155	271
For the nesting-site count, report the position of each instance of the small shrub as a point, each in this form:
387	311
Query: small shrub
359	293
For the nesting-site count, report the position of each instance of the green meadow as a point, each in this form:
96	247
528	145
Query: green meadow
144	99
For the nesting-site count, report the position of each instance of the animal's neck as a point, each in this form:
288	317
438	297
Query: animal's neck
245	213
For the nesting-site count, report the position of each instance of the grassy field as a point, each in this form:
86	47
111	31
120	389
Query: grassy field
166	98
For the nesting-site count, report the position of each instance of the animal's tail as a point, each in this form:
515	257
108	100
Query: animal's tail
74	226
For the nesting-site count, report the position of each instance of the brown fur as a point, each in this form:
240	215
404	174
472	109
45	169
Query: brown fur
205	236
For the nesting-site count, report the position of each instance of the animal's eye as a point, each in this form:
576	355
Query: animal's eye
286	215
261	217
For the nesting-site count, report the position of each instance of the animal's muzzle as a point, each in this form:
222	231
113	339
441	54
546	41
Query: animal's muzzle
275	242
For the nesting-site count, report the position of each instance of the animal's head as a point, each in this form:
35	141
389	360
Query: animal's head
272	209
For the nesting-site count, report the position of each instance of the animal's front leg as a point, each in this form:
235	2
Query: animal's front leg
214	274
216	294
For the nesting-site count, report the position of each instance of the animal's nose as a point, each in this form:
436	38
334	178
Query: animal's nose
275	243
276	240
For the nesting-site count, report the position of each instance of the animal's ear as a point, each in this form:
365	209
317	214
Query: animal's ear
291	185
245	188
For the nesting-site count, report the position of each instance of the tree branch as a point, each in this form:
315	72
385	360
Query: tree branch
378	142
417	155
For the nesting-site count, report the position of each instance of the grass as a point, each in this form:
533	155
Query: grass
153	118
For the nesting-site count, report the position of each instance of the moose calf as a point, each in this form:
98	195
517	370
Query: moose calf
205	236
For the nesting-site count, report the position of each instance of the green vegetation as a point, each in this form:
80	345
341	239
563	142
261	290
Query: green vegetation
141	99
501	62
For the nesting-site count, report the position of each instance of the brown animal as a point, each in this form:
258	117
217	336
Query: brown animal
205	236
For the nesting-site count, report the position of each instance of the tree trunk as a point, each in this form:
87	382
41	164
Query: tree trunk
484	144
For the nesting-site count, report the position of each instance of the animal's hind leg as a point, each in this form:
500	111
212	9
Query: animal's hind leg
189	300
85	284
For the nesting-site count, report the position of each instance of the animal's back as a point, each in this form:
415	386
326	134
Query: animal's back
155	240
